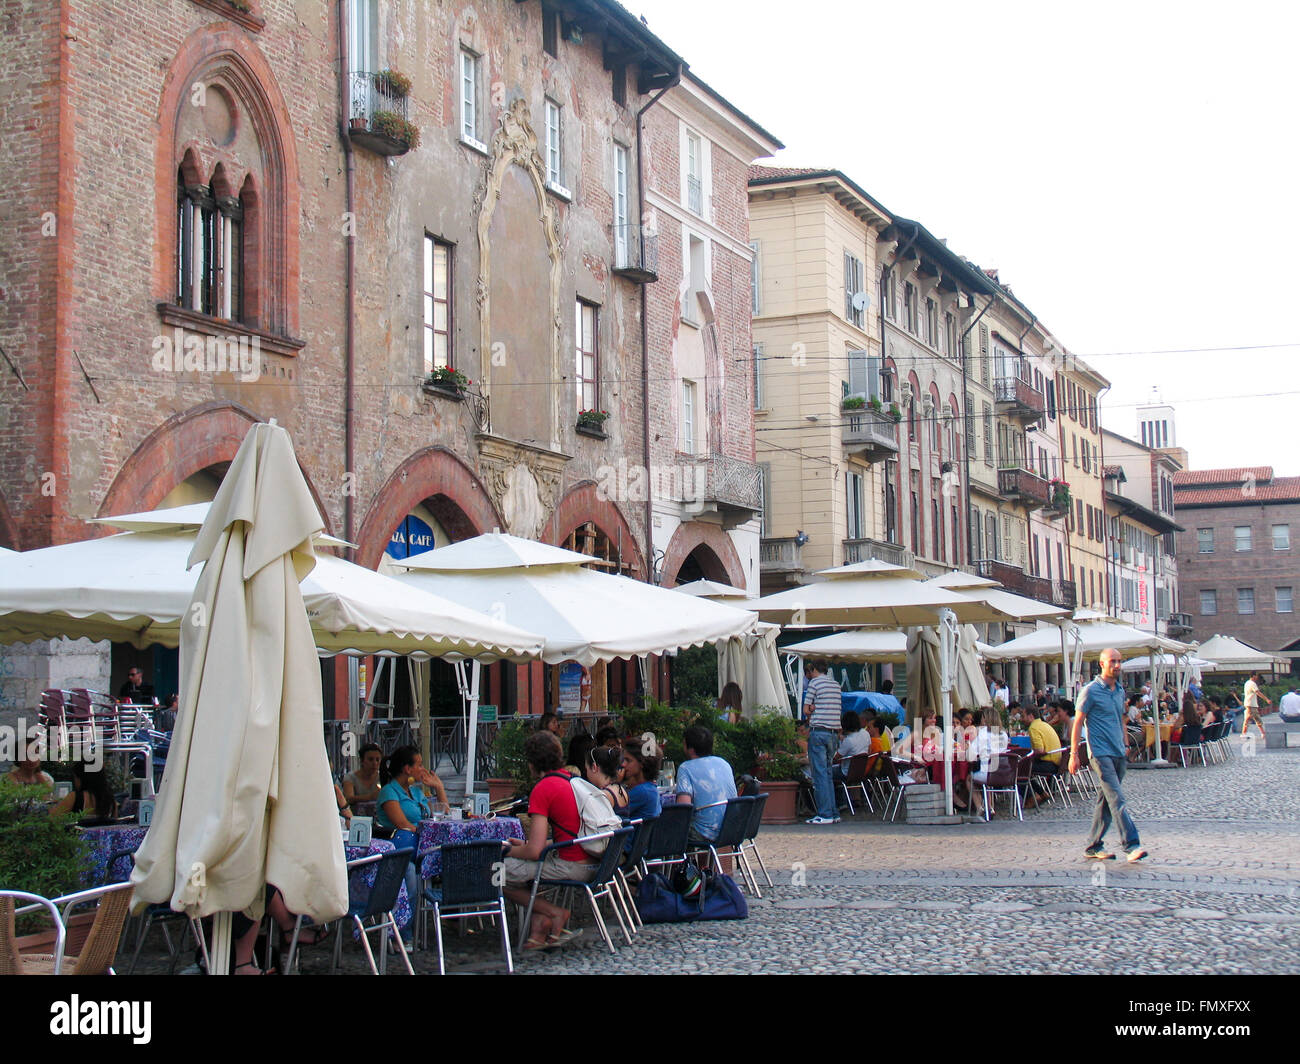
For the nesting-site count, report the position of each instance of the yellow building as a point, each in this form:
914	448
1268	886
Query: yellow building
1080	442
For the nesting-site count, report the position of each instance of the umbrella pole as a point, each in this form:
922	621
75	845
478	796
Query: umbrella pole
1157	674
471	725
947	655
219	954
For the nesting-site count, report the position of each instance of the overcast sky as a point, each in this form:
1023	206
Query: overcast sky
1129	168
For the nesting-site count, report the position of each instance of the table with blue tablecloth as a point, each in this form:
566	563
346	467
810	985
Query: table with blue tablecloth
363	878
435	834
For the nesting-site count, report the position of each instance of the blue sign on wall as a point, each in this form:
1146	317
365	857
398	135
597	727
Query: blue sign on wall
411	537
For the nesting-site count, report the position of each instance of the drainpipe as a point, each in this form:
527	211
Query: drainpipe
645	332
349	281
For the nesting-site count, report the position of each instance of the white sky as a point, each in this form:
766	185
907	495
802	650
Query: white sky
1129	168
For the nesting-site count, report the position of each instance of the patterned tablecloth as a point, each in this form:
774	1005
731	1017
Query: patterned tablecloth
360	882
437	833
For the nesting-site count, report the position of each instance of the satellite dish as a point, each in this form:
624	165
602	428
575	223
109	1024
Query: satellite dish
861	301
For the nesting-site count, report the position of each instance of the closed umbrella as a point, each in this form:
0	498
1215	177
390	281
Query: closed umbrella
970	689
247	797
752	662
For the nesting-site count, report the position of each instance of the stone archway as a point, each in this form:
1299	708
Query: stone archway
717	547
583	503
187	443
442	482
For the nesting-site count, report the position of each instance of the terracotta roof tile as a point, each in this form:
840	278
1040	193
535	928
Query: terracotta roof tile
1225	477
757	172
1279	489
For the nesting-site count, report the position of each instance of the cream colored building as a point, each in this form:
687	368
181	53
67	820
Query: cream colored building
816	343
1077	389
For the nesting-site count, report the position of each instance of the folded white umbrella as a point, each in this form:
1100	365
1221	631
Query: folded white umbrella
134	588
753	662
1012	607
585	616
247	797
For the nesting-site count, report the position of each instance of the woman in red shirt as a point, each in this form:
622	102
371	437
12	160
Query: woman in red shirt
550	805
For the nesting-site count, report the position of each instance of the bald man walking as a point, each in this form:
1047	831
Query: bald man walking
1101	704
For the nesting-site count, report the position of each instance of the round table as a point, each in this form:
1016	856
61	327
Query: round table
435	834
363	878
101	844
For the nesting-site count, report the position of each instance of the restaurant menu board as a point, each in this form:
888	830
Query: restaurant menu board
571	687
359	831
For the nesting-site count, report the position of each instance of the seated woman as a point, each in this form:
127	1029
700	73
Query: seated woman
604	770
985	747
728	704
1208	716
881	744
551	804
640	770
244	932
345	810
855	741
403	804
28	773
363	785
90	794
580	746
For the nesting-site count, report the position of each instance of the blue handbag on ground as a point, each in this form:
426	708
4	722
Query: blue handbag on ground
719	899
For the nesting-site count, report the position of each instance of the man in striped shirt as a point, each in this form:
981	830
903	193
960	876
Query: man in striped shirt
821	708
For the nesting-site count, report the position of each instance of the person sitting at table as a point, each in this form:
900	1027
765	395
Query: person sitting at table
403	801
703	781
165	717
345	810
1046	744
550	722
1191	714
244	932
640	770
728	704
855	741
135	691
880	743
90	795
551	806
604	770
1209	715
1062	718
28	773
608	736
580	746
984	748
363	785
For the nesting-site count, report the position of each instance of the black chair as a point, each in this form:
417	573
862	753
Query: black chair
749	845
1190	739
632	863
471	888
731	834
1003	779
855	775
378	905
668	838
602	885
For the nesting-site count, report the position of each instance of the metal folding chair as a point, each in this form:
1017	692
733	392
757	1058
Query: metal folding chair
471	888
378	905
602	885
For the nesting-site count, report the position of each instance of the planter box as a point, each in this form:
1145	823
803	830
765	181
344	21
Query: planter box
446	391
781	805
594	431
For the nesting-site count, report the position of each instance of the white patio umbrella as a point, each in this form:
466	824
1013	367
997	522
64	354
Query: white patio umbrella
1013	607
877	593
711	589
246	797
584	615
134	587
866	646
1166	661
1223	653
752	662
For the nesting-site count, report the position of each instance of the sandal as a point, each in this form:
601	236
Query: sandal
253	964
531	945
564	937
318	935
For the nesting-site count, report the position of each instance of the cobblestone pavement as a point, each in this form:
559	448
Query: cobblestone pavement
1220	893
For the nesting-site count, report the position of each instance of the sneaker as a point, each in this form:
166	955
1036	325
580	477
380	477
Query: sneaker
1099	854
824	820
1136	854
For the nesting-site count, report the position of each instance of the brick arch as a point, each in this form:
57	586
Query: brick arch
695	534
8	527
434	473
186	443
271	291
583	503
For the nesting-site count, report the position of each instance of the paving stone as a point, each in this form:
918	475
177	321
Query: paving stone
870	903
1267	918
1001	907
1068	907
1132	907
1198	914
805	903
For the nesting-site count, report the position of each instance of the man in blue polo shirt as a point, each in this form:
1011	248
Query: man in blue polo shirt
822	705
1101	704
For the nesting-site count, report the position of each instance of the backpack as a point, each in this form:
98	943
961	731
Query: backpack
596	816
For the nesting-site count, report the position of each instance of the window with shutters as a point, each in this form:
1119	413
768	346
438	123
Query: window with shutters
854	505
1051	400
976	533
755	281
765	500
991	536
936	523
891	502
971	441
984	355
888	295
760	396
916	516
852	287
911	311
988	434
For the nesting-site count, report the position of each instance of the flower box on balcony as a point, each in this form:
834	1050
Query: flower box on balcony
853	402
592	423
447	382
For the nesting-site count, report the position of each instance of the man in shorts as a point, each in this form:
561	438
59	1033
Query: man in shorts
1252	696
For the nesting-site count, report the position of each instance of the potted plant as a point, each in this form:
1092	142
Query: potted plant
875	404
41	854
394	126
512	775
1060	494
852	402
447	381
895	412
767	745
393	83
592	422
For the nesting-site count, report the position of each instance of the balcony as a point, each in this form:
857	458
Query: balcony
780	563
728	487
1063	594
870	434
636	254
860	550
1016	580
1180	625
1019	399
378	119
1058	505
1024	487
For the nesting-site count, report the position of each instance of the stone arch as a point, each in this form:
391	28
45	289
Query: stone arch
186	443
584	503
441	481
225	55
515	143
696	534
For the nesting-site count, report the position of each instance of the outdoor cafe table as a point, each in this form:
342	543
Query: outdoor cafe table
1149	734
435	834
103	842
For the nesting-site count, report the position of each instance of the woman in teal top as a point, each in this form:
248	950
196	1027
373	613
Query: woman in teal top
402	801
